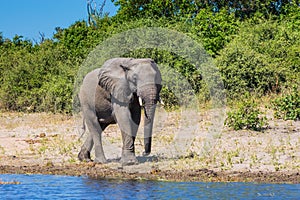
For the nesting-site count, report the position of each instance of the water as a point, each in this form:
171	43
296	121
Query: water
69	187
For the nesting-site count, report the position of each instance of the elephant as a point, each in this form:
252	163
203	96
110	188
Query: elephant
116	93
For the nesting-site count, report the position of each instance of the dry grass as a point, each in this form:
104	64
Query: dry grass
53	139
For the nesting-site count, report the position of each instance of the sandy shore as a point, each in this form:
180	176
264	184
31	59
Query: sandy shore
49	143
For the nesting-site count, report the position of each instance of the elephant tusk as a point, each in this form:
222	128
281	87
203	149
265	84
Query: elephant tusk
141	101
161	101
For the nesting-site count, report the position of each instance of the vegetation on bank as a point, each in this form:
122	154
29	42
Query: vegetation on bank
256	47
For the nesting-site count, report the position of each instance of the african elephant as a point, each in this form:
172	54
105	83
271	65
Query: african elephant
116	93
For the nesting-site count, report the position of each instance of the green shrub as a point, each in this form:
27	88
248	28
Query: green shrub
262	58
214	30
246	115
36	78
287	107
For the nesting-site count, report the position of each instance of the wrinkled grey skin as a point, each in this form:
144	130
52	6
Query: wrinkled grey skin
111	95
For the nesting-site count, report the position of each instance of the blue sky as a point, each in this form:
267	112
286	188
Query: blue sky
29	17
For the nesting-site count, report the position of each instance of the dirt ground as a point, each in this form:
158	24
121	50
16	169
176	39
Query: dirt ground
49	143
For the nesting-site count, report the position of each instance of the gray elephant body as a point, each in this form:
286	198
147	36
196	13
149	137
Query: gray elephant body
113	94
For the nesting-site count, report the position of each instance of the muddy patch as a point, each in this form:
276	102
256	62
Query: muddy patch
200	175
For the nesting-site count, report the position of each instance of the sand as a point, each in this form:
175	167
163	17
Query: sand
184	149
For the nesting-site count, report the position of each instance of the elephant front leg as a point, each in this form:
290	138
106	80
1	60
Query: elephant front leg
128	151
128	129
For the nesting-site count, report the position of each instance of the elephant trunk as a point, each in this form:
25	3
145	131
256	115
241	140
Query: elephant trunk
148	126
150	98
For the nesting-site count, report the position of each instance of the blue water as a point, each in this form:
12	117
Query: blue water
69	187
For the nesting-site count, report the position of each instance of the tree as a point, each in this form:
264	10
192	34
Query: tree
133	9
154	8
95	11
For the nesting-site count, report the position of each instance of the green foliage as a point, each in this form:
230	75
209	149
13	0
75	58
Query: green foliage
35	78
169	98
255	51
263	58
133	9
79	39
287	107
214	30
246	115
154	9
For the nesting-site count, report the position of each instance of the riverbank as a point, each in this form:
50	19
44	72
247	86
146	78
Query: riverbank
48	144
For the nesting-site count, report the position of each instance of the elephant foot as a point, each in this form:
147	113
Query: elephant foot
84	155
146	154
99	155
100	160
128	158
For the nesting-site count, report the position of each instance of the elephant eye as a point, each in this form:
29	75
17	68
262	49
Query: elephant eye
134	78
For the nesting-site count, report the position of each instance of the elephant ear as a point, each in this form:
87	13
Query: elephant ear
112	77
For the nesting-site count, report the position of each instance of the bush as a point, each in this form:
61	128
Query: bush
214	30
261	59
287	107
246	115
36	78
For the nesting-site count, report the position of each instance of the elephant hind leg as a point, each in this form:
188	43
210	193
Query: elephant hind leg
94	139
85	152
99	153
84	155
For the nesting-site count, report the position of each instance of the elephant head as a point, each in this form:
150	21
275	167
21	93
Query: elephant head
134	80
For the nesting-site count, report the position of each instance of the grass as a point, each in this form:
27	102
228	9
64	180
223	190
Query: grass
2	150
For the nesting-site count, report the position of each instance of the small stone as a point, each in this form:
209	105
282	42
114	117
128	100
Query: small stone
42	135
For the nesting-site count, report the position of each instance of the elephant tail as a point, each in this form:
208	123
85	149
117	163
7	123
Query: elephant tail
83	128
